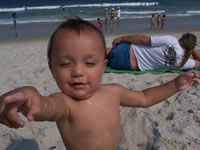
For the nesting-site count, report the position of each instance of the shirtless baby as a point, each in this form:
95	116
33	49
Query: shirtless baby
86	112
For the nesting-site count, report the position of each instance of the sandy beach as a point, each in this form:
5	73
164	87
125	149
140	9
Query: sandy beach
171	125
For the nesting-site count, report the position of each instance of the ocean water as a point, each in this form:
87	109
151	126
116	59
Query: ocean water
50	10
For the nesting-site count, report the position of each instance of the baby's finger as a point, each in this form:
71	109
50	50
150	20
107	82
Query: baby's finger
5	122
33	113
13	117
2	104
195	77
196	82
30	116
195	73
16	97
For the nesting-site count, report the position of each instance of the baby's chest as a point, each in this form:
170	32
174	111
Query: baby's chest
96	120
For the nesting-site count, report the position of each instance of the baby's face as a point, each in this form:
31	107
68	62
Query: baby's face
77	63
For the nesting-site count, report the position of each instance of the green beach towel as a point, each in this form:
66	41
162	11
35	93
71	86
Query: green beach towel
109	70
120	148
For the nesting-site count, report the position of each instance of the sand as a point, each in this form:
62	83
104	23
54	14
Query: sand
171	125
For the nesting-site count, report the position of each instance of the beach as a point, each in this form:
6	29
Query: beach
173	124
141	25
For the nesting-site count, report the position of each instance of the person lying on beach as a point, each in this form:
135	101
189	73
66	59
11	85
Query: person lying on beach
86	112
141	52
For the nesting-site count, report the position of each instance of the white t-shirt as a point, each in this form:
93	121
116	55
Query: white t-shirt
118	13
165	52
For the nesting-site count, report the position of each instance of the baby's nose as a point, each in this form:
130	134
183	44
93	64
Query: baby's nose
77	70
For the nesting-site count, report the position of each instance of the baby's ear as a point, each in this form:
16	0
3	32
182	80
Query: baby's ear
50	67
49	63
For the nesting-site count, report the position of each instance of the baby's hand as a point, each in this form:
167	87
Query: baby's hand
187	79
25	100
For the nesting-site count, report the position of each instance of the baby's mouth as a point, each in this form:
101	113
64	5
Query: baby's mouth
78	85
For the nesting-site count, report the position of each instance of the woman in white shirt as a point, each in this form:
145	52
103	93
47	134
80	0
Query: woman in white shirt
141	52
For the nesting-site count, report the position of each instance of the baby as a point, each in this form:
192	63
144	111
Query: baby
86	112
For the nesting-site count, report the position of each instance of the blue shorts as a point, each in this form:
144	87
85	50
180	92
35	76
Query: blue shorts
120	57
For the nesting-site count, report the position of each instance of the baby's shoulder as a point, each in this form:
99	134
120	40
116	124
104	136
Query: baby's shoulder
111	92
61	97
112	87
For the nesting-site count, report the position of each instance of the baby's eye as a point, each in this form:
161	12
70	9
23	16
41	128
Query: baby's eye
64	64
90	64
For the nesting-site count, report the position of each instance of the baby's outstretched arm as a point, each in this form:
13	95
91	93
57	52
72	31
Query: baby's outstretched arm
28	101
154	95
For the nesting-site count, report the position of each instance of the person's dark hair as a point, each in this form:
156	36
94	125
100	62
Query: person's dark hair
14	14
76	25
188	42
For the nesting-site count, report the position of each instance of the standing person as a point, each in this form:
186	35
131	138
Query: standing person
63	7
25	8
163	20
87	113
112	16
14	17
158	21
118	15
152	22
106	15
141	52
100	24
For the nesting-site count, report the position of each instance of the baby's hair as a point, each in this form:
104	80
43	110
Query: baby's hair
77	25
188	42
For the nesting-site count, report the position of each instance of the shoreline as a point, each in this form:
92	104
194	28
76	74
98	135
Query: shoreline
109	36
127	26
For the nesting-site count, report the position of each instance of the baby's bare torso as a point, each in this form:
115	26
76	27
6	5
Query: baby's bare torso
93	124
